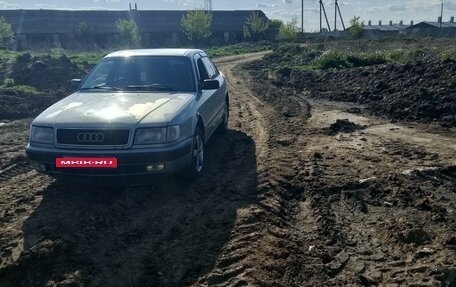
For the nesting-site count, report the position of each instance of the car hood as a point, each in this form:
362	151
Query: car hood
116	108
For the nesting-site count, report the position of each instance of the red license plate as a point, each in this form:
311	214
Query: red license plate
86	162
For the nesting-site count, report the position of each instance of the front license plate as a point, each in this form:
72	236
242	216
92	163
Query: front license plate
85	162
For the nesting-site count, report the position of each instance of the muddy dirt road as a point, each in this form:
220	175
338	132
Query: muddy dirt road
293	197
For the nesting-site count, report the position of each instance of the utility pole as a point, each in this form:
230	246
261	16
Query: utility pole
322	9
336	11
441	16
302	16
340	15
320	17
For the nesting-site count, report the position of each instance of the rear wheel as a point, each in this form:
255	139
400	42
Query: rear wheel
196	168
223	127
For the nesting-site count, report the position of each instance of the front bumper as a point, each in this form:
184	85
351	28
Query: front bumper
130	161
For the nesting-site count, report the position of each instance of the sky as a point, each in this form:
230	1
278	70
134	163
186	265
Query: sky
286	10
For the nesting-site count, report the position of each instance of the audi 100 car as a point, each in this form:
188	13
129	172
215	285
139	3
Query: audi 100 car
138	112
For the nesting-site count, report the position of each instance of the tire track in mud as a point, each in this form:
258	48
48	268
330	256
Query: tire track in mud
265	247
14	170
316	202
20	194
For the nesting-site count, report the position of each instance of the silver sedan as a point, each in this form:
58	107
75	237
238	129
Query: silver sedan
138	112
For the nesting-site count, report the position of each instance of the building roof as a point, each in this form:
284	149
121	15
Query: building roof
433	25
65	21
387	27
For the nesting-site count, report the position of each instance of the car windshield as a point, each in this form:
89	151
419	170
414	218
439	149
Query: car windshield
142	73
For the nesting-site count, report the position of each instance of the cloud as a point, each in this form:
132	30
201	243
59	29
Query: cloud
396	8
6	5
266	5
341	3
287	13
388	8
184	3
287	1
426	5
45	5
449	6
85	8
187	3
105	1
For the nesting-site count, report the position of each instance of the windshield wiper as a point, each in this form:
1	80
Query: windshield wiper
155	87
102	88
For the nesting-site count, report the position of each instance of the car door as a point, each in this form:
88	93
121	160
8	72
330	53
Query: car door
208	102
219	94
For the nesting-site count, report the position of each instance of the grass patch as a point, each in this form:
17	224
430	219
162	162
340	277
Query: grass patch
19	89
338	56
86	60
238	49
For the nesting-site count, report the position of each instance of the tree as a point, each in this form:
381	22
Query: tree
128	33
83	34
274	28
6	34
289	31
255	26
356	28
197	24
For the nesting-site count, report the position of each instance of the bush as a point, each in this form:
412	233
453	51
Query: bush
128	33
255	27
356	28
332	60
289	31
367	59
6	34
197	25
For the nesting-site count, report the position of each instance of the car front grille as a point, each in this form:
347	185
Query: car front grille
92	137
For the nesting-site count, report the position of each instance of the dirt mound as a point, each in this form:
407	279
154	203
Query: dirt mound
15	104
343	126
44	72
35	83
421	91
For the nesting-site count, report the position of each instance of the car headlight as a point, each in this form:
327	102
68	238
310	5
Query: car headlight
173	133
42	135
157	135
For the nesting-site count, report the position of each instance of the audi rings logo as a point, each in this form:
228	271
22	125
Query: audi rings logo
91	137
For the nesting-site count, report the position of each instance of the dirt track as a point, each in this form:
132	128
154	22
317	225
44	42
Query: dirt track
289	200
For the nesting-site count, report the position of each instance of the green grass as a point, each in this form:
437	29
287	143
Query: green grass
20	89
347	54
238	49
86	60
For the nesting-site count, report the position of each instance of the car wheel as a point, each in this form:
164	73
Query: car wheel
223	127
197	166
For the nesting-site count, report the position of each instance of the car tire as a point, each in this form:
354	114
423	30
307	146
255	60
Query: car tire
197	166
223	127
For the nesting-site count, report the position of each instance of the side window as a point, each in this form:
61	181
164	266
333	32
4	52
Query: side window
215	68
202	71
209	67
100	74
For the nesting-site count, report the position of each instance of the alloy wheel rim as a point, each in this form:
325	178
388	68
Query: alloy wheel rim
198	153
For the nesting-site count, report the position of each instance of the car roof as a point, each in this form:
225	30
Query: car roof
155	52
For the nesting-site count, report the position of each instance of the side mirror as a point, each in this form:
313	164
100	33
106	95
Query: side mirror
75	83
210	85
